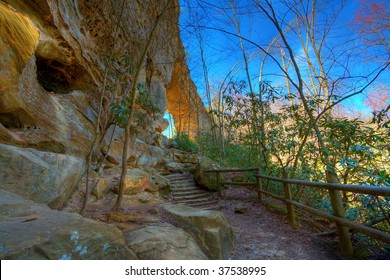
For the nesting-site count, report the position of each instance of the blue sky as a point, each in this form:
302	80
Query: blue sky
222	50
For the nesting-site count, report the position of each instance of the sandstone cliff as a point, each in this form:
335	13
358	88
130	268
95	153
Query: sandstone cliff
55	57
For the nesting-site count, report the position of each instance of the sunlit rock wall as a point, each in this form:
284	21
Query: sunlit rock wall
53	59
184	103
55	56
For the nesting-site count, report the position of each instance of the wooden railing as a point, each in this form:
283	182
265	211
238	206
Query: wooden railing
221	183
338	218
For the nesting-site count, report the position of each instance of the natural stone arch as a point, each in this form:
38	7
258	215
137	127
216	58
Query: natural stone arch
170	131
184	103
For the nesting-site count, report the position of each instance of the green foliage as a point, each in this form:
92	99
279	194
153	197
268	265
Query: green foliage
382	118
144	99
359	152
184	143
234	155
120	111
268	127
120	108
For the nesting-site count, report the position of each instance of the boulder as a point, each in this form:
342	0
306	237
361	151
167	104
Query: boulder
211	230
184	157
157	180
163	242
174	167
102	187
43	177
149	155
34	231
206	180
137	180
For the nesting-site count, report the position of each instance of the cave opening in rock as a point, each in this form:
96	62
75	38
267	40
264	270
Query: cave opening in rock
18	119
10	120
53	76
170	132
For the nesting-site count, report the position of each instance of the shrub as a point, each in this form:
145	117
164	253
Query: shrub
184	143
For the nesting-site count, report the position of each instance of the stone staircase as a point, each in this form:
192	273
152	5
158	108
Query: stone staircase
185	190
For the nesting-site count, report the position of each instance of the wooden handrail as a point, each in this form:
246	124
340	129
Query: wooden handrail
374	190
333	188
224	170
375	233
239	183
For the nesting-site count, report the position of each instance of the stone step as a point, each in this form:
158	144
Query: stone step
184	190
178	176
190	198
191	192
183	177
204	205
196	201
182	187
213	206
182	183
174	177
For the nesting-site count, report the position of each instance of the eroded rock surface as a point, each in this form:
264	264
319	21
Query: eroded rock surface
33	231
137	180
43	177
53	60
57	59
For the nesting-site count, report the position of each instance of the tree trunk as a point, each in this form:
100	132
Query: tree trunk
133	96
96	139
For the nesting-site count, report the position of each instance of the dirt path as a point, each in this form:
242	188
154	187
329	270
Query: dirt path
262	234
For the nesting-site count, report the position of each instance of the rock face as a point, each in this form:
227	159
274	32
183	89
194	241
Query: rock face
137	180
40	106
33	231
43	177
62	65
211	230
53	60
163	242
182	100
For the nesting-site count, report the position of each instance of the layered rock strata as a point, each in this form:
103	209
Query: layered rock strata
59	59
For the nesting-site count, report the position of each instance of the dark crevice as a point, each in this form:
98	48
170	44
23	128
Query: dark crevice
53	76
56	77
50	146
10	120
18	119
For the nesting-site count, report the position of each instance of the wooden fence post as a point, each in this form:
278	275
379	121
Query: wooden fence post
259	186
338	210
287	195
219	187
